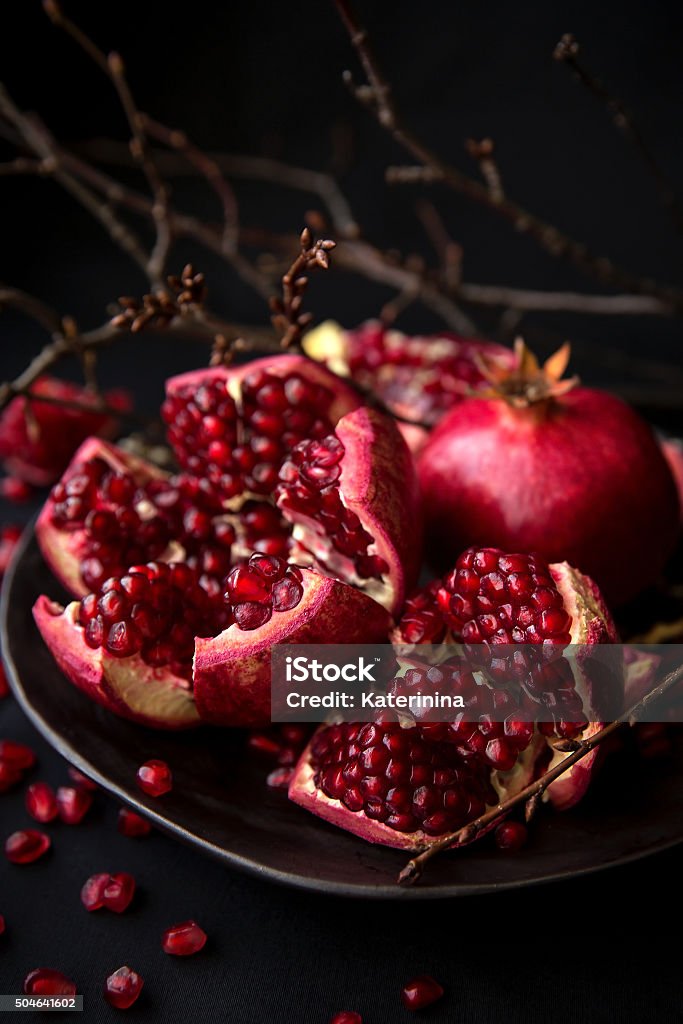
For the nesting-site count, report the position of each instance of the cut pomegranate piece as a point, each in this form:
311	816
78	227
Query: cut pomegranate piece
132	824
26	846
511	836
92	893
44	981
122	988
155	778
18	755
73	802
421	992
41	802
183	939
37	438
118	892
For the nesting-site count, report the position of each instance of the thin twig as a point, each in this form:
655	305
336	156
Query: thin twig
482	152
377	96
567	52
414	868
287	318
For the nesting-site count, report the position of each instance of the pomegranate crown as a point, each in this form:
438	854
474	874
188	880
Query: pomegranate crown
528	382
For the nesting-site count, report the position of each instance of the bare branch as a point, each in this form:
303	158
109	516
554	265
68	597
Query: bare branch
567	52
377	96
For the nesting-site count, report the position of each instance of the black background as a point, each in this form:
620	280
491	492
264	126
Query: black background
262	78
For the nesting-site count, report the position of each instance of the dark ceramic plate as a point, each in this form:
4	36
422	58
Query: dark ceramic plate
221	804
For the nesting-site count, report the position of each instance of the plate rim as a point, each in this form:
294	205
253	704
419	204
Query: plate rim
361	890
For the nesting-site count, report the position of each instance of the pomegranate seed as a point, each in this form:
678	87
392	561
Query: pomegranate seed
132	824
264	744
280	778
17	754
73	803
511	836
122	988
155	778
92	893
41	802
347	1017
82	780
9	776
118	892
4	685
421	992
183	939
2	925
14	489
44	981
25	846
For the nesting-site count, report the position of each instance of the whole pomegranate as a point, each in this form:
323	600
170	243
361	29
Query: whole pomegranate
537	463
293	519
38	438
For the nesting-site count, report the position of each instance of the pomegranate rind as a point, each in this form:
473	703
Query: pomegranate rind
126	686
64	550
232	671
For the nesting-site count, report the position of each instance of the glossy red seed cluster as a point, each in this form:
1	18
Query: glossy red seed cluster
44	981
113	892
309	488
263	585
239	445
155	778
122	988
493	726
156	611
400	777
183	939
26	846
421	992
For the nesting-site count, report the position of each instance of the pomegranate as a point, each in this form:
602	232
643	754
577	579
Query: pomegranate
44	981
37	438
404	784
538	464
41	802
26	846
133	825
122	988
73	803
183	939
421	992
419	378
118	892
155	778
511	836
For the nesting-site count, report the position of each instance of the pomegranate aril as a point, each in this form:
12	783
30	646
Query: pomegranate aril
3	925
26	846
118	892
9	776
155	778
511	836
45	981
17	755
280	778
73	803
122	988
346	1017
183	939
92	893
420	992
41	802
133	825
250	616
